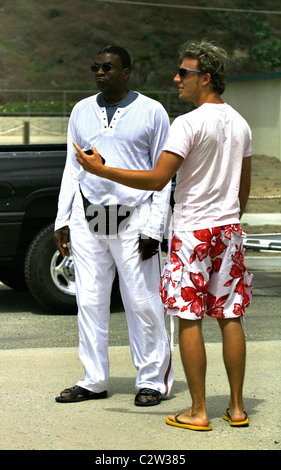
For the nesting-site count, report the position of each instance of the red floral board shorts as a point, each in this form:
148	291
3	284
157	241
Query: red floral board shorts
205	271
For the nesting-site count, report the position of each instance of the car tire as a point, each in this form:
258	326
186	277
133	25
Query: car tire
50	277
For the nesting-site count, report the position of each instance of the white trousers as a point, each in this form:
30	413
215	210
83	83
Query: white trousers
95	260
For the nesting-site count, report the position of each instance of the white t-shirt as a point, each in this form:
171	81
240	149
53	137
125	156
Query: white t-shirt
133	139
212	140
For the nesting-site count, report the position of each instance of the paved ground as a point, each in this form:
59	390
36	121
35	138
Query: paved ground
32	376
32	420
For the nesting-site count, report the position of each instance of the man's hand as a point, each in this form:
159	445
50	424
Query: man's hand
91	163
148	247
61	237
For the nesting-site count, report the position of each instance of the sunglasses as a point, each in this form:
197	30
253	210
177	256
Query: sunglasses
182	71
105	67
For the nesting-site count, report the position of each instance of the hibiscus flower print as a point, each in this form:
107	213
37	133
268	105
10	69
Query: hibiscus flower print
171	274
195	296
238	257
212	246
239	271
238	310
215	306
163	292
169	302
236	228
176	243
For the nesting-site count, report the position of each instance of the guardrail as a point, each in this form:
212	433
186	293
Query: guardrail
60	102
269	242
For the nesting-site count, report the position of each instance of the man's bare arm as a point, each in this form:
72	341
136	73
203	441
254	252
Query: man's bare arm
245	184
153	180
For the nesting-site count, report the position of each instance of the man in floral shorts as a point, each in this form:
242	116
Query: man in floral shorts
209	149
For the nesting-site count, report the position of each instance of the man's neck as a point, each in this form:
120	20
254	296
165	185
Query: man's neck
114	99
214	98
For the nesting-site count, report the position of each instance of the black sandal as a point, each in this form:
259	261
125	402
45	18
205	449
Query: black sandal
80	394
154	395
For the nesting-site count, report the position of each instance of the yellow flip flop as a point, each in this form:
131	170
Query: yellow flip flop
226	416
179	424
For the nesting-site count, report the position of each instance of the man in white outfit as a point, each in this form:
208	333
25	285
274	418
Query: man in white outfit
112	226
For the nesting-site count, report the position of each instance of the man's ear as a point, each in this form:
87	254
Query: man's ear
207	79
127	72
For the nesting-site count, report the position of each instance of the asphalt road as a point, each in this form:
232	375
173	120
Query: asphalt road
25	325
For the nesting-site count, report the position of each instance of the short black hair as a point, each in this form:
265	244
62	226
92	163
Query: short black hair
121	52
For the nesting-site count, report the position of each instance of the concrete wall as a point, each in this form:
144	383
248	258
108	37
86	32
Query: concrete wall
259	102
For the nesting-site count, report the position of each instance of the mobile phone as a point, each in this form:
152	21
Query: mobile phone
89	152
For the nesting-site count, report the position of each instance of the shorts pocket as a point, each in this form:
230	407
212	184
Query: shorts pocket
170	285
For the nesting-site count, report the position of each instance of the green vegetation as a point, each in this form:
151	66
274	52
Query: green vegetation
51	45
37	107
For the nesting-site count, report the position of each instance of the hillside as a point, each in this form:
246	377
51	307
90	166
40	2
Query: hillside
51	44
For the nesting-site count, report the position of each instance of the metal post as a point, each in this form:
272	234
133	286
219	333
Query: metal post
26	132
